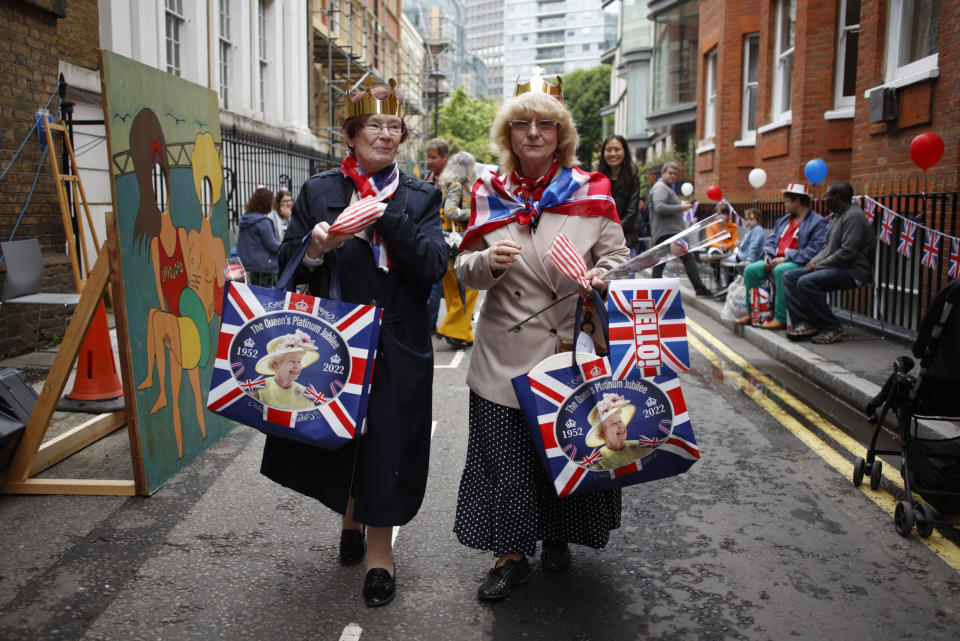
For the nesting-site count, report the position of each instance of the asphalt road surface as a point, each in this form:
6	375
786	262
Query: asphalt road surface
764	538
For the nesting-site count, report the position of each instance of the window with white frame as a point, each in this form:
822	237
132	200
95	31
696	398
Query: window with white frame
175	23
848	37
226	50
913	38
751	82
783	65
262	49
710	114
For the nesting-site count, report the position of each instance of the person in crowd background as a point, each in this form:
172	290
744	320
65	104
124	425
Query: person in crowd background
845	262
257	242
506	502
666	220
456	182
375	482
725	224
438	152
796	238
615	163
282	208
751	247
643	223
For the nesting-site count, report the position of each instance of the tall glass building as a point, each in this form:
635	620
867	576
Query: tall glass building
558	35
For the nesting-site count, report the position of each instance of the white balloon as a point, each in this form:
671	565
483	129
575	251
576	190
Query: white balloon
686	189
757	178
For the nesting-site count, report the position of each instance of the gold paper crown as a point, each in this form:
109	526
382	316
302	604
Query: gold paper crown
368	104
537	84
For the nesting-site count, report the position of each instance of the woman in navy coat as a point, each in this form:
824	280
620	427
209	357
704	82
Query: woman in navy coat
377	481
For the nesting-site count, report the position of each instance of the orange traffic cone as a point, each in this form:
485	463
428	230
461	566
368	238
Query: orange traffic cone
97	377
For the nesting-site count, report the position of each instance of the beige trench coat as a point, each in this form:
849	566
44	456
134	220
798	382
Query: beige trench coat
530	284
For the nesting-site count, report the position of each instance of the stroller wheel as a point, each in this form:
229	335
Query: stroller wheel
858	467
924	520
903	518
875	468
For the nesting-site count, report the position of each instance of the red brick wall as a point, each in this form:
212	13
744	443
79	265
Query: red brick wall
854	149
881	150
33	39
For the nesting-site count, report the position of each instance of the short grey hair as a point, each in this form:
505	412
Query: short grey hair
669	165
438	145
461	168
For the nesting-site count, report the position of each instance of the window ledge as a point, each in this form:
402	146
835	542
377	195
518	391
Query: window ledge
839	114
704	149
745	143
913	78
775	125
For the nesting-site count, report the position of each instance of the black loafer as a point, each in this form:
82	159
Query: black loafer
500	581
379	587
555	556
352	547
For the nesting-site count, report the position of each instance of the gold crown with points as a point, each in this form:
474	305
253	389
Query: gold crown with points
366	103
537	84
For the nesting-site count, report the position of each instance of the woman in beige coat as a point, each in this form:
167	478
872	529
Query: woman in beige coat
506	502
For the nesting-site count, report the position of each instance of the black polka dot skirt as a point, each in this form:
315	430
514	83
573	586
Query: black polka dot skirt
507	502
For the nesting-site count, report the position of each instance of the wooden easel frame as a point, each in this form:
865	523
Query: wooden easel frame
32	455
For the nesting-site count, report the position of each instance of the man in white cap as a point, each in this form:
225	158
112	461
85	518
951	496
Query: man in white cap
795	239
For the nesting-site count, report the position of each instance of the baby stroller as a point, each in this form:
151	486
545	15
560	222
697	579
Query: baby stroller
929	467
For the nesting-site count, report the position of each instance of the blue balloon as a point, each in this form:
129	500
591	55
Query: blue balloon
815	171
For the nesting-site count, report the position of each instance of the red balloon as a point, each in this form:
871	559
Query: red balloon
714	193
926	150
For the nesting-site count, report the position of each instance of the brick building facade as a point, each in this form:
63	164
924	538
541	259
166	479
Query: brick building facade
811	67
37	36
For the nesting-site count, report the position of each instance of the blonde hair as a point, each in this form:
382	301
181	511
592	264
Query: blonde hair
545	107
752	214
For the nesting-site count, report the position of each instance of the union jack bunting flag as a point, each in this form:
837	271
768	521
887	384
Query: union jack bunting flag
954	270
907	235
319	394
870	209
568	412
648	328
931	248
886	226
573	192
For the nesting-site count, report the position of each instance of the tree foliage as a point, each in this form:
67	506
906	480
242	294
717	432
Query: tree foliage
586	92
465	125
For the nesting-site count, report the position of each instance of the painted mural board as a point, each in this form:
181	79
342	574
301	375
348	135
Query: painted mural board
165	153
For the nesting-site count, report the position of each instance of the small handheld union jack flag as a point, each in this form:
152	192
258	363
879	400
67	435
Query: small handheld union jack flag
907	236
931	248
359	215
954	271
886	227
565	256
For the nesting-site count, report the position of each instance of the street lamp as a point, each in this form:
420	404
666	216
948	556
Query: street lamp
437	77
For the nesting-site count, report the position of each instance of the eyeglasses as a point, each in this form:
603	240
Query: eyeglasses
393	129
542	125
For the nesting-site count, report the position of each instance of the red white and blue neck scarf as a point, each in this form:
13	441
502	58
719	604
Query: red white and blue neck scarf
380	185
497	202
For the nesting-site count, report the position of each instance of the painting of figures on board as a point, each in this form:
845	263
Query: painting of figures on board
168	194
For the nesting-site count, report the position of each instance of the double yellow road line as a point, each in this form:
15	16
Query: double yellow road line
742	374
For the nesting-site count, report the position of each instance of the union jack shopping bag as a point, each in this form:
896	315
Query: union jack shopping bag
595	432
761	306
294	365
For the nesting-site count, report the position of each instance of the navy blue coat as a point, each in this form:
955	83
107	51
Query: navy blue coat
385	470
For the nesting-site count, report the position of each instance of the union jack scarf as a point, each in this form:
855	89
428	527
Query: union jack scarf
498	201
382	186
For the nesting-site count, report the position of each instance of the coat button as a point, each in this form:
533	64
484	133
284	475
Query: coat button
373	301
553	332
553	295
517	293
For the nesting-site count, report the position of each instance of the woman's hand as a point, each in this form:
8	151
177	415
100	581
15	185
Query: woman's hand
502	255
593	276
322	241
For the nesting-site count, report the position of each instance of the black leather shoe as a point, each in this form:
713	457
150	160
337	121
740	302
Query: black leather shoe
379	587
456	343
500	581
555	556
352	547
